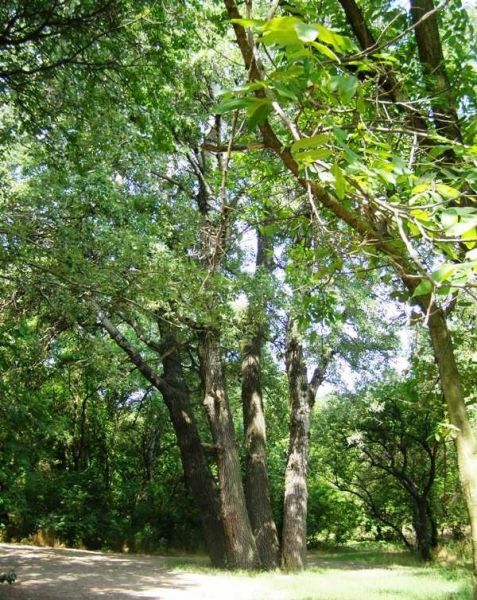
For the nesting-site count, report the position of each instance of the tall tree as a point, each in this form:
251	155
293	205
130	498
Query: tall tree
392	243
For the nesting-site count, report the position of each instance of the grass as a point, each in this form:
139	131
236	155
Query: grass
370	572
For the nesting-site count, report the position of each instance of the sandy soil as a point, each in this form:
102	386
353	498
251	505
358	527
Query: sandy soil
64	574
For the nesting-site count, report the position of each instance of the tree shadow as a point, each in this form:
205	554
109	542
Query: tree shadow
56	573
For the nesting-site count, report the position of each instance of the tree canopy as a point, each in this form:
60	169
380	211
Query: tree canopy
238	256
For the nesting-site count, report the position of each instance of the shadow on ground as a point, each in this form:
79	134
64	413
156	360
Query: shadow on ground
53	573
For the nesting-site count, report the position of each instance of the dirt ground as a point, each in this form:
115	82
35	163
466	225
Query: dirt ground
64	574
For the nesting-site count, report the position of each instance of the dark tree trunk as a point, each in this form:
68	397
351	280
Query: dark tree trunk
257	488
295	503
196	470
194	462
423	529
240	543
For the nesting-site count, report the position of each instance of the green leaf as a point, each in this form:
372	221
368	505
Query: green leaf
306	33
447	191
280	38
347	86
421	188
340	181
325	51
311	142
338	42
248	22
444	272
310	156
231	104
281	31
424	288
260	112
286	91
469	238
419	214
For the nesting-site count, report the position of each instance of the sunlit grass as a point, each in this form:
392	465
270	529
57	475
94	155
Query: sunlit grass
357	573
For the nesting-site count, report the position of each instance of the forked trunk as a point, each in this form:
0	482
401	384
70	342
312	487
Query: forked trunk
194	462
240	544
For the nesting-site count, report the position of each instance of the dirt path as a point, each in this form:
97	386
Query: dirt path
63	574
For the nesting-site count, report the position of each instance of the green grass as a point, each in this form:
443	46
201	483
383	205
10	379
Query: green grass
358	573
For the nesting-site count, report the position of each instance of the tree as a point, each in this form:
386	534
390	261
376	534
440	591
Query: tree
384	450
303	156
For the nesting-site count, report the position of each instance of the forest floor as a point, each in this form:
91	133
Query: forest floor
64	574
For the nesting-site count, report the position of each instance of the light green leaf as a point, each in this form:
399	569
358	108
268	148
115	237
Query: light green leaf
311	142
444	272
325	51
340	181
248	22
469	238
459	229
424	288
447	191
309	156
337	41
306	33
449	218
419	214
421	188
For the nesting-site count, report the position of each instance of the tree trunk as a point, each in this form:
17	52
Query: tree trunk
257	488
240	544
465	440
432	59
295	502
194	462
423	529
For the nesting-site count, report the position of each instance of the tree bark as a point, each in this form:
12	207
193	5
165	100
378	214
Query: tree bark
465	441
423	529
194	462
257	488
240	544
295	503
432	60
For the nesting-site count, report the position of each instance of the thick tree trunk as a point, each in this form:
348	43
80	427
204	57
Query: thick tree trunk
295	502
423	529
194	462
465	440
240	543
257	488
